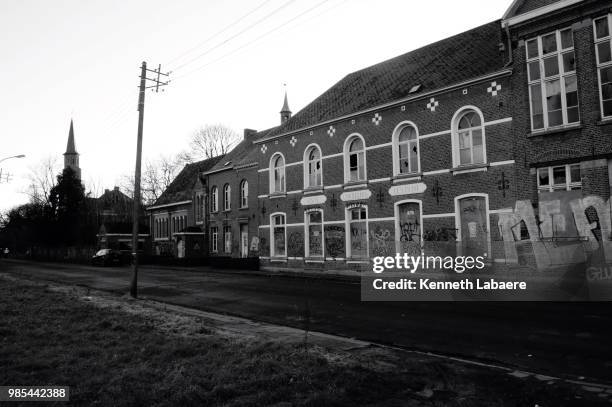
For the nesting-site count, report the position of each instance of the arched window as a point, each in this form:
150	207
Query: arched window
470	141
227	197
244	194
354	159
313	167
405	150
214	199
277	174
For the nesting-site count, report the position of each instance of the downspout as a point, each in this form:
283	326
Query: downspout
510	59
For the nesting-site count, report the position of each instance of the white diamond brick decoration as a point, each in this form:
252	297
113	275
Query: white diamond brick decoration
376	119
353	121
331	131
311	132
403	108
293	141
433	103
494	88
264	148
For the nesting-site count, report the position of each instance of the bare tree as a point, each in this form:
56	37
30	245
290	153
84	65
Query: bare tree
210	141
157	175
42	178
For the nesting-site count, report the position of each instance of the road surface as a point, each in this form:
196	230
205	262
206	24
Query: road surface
571	340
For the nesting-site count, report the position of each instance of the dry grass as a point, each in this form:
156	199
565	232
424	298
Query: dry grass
116	352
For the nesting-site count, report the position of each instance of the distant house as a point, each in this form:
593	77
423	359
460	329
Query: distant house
177	217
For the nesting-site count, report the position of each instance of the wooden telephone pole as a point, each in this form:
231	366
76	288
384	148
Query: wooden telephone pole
136	212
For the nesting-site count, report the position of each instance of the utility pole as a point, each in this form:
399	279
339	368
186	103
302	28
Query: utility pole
136	212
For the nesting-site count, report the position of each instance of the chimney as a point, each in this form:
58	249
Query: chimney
248	133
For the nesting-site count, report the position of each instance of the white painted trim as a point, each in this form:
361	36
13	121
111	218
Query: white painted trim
347	227
272	254
396	206
439	215
307	235
332	156
346	153
509	22
262	196
467	171
388	219
458	218
380	180
498	163
333	186
455	134
395	145
375	146
436	172
168	205
297	191
335	259
498	121
295	258
440	133
492	75
271	174
306	161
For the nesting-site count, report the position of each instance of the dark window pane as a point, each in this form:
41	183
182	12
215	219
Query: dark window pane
606	91
549	43
543	177
601	28
567	39
603	50
607	108
551	66
534	71
606	74
575	173
559	175
572	115
569	62
532	48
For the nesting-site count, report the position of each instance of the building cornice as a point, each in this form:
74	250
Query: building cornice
150	208
530	15
503	72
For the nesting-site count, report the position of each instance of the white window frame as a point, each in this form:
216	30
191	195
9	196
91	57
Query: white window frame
244	193
283	186
396	206
601	66
346	152
214	239
458	220
272	226
396	148
227	197
455	136
561	77
307	234
214	199
348	220
551	187
307	163
227	239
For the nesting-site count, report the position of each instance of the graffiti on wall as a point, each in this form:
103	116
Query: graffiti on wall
563	219
382	244
334	241
296	244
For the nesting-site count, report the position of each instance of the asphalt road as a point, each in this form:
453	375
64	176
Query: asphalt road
571	340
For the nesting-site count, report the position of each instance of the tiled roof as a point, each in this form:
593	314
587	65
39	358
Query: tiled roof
243	153
464	56
181	188
530	5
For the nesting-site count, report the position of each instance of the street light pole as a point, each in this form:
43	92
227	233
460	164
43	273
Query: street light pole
13	156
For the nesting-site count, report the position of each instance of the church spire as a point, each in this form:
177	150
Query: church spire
71	157
285	112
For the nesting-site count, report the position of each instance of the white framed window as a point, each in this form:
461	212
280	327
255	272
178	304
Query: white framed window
214	239
354	159
406	149
227	239
409	226
603	50
559	178
357	236
313	225
313	167
227	197
214	199
553	87
277	173
244	193
469	145
278	238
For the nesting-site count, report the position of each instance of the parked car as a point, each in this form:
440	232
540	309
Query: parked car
106	257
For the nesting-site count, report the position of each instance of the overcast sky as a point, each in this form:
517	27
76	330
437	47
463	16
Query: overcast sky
80	59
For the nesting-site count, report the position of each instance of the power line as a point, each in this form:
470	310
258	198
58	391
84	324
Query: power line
217	33
251	42
234	36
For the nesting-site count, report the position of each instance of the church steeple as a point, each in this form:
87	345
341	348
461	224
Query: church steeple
71	157
285	112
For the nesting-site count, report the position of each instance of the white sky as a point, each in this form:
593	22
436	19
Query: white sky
81	59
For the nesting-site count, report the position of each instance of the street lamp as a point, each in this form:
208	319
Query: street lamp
14	156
